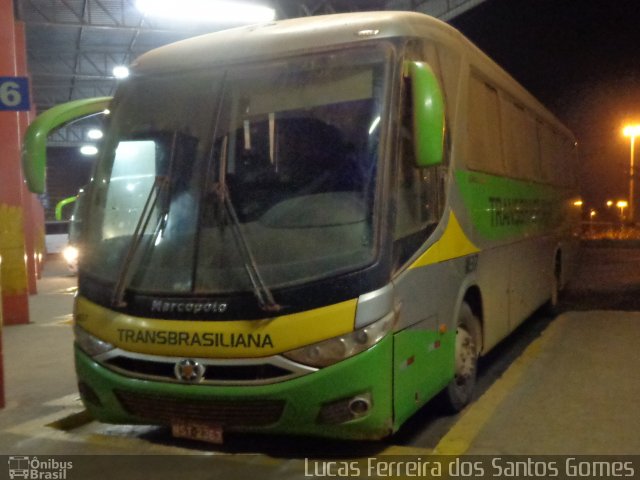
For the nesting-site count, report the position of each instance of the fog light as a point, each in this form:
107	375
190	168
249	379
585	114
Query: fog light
359	406
345	409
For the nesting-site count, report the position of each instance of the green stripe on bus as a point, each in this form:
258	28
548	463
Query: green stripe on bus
503	208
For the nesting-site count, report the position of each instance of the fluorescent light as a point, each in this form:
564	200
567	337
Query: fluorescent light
94	134
120	71
219	11
88	150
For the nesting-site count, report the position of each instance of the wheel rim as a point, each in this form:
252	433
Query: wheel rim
465	358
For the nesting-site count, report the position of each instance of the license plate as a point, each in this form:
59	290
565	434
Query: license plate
197	431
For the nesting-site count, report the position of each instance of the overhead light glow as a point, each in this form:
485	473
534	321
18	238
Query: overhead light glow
88	150
120	71
631	131
94	134
219	11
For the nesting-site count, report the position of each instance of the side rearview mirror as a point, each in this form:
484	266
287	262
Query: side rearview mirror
63	203
34	147
428	114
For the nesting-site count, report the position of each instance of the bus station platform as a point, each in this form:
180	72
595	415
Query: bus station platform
573	390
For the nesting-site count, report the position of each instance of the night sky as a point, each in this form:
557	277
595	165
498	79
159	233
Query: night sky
581	58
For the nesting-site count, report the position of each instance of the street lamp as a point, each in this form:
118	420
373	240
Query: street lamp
631	131
622	204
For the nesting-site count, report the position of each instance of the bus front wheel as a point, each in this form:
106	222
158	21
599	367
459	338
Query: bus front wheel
459	392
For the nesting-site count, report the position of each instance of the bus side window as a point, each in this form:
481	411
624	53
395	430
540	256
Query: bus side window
418	197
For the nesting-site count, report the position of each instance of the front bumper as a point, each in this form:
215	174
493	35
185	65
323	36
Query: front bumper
313	404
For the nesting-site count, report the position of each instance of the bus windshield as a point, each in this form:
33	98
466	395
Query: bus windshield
290	147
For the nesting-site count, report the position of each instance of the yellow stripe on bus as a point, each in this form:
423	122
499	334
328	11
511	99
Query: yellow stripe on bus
215	339
452	244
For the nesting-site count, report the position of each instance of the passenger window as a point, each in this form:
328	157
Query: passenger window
483	129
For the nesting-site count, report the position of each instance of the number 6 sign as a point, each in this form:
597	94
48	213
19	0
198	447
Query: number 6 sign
14	93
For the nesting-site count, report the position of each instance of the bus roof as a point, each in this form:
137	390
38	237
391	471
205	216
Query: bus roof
286	37
294	36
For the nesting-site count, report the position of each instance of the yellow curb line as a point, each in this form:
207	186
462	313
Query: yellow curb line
460	437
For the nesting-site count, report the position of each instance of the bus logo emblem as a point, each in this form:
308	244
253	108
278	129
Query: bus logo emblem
189	370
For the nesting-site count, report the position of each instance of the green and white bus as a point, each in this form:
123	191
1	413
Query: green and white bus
311	227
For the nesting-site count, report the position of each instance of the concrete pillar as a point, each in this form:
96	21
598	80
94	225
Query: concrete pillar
13	273
2	398
33	225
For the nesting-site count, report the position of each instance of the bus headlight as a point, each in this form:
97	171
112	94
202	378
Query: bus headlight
333	350
70	254
91	345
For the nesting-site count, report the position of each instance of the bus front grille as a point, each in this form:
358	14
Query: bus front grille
216	374
258	371
226	413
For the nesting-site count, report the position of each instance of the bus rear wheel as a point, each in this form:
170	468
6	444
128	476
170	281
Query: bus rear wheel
459	392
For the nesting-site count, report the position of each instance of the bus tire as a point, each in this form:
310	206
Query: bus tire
459	392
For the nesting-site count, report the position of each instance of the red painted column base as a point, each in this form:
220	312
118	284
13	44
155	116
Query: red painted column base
2	399
15	309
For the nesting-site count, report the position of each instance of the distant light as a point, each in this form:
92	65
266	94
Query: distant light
70	253
220	11
631	131
592	213
88	150
577	203
120	71
609	203
94	134
622	204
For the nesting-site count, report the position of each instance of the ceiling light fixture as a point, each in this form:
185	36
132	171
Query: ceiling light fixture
219	11
120	71
88	150
94	134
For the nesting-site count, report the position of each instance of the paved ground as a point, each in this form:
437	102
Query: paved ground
574	391
38	360
606	279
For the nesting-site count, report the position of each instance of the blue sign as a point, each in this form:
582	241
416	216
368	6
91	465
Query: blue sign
14	93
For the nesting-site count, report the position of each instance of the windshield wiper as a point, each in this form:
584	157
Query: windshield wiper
261	290
159	185
159	192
